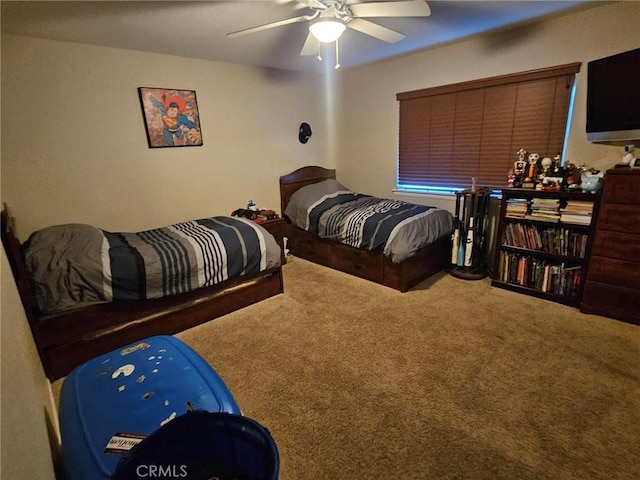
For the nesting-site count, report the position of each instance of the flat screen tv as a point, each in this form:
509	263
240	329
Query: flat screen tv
613	98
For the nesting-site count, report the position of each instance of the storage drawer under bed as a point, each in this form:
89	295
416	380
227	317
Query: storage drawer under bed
306	245
362	263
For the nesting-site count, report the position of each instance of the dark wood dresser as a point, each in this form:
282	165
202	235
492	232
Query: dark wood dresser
612	288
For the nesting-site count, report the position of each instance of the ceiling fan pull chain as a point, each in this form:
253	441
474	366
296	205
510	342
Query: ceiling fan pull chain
319	57
337	57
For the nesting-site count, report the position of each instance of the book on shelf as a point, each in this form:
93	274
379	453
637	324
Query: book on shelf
578	206
577	211
558	241
516	207
575	218
543	217
544	209
551	204
538	274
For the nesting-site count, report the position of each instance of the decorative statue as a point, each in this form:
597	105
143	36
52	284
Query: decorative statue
519	168
570	173
511	178
558	169
591	181
556	160
546	164
533	161
520	165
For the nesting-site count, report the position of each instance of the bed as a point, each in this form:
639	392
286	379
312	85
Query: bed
313	241
69	332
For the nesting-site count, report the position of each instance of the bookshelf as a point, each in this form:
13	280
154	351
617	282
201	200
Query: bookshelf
543	243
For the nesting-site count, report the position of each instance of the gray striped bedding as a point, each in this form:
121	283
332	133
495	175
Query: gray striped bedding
400	229
75	265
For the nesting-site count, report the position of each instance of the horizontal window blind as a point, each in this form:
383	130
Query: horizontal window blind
451	133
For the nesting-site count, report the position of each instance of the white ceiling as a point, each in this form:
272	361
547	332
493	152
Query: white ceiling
198	29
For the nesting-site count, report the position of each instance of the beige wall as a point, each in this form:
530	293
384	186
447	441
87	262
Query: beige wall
75	148
26	401
368	119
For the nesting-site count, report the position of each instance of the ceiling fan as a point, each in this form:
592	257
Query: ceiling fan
328	19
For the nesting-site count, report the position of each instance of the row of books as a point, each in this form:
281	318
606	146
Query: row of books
545	209
577	211
560	241
550	210
540	274
516	207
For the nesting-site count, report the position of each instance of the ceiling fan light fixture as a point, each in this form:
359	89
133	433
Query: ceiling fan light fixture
327	30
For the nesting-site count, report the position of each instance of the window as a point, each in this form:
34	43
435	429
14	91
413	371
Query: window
451	133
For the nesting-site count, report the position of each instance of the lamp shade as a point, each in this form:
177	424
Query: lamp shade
327	30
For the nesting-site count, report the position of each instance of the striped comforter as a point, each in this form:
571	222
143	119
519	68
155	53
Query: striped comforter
76	265
367	222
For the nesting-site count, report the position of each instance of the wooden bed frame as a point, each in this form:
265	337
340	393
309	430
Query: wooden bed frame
371	265
70	339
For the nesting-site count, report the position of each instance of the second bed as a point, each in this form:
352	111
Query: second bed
390	242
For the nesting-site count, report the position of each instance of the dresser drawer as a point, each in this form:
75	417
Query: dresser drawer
620	218
612	286
621	188
611	301
361	263
615	272
618	245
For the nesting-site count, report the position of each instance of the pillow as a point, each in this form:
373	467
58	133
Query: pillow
65	264
305	197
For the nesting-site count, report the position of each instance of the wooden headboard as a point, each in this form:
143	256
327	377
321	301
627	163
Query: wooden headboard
297	179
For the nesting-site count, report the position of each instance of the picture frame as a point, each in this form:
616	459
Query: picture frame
171	117
552	183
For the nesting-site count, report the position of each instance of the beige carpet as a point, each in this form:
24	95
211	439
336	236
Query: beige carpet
452	380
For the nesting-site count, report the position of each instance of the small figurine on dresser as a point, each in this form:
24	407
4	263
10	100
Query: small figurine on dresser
628	159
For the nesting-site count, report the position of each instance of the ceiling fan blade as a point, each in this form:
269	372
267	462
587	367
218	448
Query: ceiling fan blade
374	30
413	8
317	4
300	4
268	26
310	46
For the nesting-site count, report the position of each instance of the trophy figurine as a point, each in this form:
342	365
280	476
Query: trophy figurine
530	178
520	167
